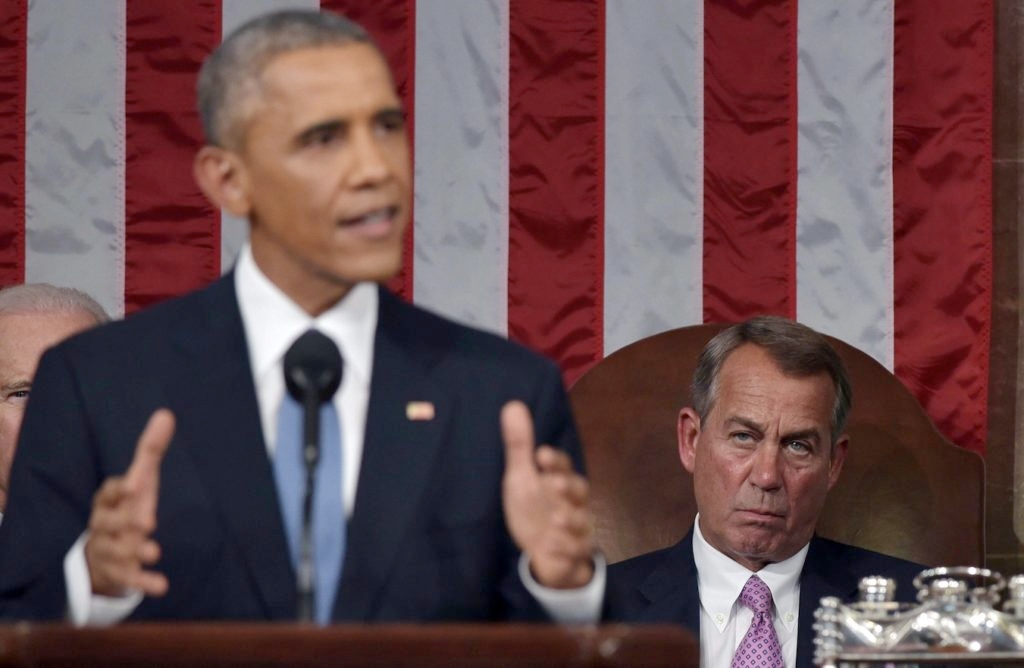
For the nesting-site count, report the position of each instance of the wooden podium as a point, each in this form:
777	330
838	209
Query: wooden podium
356	646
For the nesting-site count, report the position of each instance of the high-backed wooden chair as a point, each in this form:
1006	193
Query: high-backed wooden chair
904	490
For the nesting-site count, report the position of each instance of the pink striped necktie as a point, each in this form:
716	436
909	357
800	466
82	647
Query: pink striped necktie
760	646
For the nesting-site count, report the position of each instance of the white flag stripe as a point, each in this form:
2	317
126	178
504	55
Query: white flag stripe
74	147
234	231
654	175
461	161
844	198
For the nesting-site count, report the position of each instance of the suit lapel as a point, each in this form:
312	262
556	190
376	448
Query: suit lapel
398	452
221	431
671	588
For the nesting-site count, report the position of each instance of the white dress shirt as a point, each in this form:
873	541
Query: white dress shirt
272	322
724	620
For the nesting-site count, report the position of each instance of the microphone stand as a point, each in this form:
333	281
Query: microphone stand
311	457
312	372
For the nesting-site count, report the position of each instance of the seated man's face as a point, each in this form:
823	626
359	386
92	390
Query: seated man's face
23	338
763	459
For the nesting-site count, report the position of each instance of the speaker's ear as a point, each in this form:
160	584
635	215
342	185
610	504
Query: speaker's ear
221	176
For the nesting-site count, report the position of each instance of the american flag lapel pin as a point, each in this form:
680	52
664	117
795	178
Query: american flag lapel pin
419	410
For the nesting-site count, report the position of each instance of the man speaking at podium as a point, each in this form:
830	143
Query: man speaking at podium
160	473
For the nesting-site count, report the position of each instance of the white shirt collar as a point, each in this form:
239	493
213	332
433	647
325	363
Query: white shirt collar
720	580
273	321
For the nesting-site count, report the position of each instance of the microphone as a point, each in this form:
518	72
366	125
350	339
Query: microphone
312	374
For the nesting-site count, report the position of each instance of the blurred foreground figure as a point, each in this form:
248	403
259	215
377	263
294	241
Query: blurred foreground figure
161	473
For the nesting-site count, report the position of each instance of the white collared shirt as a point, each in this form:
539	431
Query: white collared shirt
724	620
272	322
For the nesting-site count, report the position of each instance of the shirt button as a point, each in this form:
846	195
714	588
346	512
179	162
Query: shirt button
720	618
789	616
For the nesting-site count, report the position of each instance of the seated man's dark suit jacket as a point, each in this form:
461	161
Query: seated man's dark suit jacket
661	587
426	540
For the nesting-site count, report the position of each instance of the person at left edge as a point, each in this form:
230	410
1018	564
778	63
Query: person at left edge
33	317
307	140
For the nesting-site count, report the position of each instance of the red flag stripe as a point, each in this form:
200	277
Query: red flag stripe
556	121
172	234
13	26
750	160
942	228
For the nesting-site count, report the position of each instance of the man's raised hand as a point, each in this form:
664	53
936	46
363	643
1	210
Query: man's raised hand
546	505
119	547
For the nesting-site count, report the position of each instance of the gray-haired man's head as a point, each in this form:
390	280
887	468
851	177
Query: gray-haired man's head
33	317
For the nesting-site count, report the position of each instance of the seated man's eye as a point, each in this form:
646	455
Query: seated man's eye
799	446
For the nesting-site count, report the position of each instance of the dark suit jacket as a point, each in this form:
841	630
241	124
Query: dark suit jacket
427	539
661	587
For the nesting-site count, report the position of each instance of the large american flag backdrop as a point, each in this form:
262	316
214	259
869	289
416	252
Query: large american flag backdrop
587	172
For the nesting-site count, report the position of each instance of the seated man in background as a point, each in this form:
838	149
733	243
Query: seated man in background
158	474
33	317
764	441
